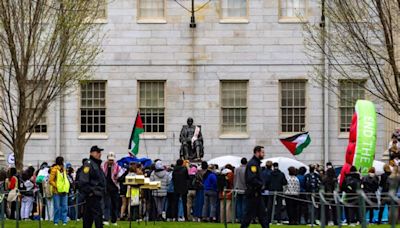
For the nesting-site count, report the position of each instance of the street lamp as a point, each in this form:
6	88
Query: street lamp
193	10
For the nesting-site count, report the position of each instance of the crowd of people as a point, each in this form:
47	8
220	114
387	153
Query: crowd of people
199	192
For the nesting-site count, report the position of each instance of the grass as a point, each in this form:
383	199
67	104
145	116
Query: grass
32	224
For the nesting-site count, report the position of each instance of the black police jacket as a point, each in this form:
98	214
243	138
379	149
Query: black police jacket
254	181
92	181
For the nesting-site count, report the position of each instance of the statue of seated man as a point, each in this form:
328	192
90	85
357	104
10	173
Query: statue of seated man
192	141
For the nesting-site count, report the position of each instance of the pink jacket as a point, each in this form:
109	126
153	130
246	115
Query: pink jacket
116	172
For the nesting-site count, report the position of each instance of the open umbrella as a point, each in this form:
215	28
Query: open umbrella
224	160
285	163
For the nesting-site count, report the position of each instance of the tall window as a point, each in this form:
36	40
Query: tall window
234	9
292	8
35	90
93	107
293	106
350	92
151	9
234	106
152	105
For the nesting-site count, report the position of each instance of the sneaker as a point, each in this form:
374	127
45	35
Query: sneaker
106	223
114	224
55	224
64	224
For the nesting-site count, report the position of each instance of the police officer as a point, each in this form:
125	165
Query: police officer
253	198
92	183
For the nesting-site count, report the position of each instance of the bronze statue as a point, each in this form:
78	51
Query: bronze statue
192	141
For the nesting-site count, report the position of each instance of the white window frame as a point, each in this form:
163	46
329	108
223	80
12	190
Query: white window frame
42	135
101	20
92	135
341	107
234	134
293	19
153	135
150	20
234	20
281	106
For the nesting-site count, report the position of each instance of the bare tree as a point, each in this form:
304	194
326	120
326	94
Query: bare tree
46	48
359	39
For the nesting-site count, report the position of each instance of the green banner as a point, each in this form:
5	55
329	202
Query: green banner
366	136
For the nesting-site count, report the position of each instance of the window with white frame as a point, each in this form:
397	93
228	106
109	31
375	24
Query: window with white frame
234	9
151	9
35	91
349	92
292	8
93	107
293	105
152	105
234	106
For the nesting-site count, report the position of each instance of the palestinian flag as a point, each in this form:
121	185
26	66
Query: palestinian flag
296	143
134	140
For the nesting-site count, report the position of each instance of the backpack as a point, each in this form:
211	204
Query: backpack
222	183
62	182
47	189
312	182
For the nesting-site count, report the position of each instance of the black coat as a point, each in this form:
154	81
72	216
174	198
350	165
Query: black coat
254	182
370	184
278	180
180	178
92	180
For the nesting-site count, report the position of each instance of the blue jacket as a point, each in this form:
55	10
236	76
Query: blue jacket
210	181
302	180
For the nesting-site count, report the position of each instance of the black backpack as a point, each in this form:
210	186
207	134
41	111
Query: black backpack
312	182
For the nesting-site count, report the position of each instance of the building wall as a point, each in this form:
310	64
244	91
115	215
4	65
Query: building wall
192	62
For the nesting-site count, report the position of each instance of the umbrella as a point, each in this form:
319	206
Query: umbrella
285	163
124	162
224	160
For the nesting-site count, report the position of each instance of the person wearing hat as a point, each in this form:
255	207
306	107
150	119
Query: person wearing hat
112	172
92	183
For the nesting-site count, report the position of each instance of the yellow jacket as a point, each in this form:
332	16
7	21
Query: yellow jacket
53	177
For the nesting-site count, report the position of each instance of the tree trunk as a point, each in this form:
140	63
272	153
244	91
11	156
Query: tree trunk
19	150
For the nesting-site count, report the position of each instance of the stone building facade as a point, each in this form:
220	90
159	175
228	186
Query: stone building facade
242	74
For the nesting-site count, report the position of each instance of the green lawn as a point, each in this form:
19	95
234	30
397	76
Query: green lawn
11	224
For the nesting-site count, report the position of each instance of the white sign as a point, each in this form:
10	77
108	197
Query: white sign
11	159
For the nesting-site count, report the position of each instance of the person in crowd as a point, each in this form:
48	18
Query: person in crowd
123	190
330	184
170	196
240	188
77	189
370	185
112	172
394	184
254	183
210	195
278	181
133	193
12	186
180	178
350	185
27	193
192	192
292	192
228	175
60	185
71	194
42	179
266	177
160	195
198	185
384	185
312	184
303	206
92	183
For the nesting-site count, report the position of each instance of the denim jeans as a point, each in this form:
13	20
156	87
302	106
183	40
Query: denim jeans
240	206
60	208
210	203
